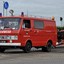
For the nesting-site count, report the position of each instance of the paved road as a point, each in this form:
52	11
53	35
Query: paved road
35	57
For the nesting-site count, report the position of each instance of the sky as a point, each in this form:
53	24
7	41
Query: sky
44	8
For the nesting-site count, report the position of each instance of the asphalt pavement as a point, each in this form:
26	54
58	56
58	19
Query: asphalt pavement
17	56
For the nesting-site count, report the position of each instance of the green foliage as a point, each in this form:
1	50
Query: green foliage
60	28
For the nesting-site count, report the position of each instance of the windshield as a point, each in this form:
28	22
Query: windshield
9	23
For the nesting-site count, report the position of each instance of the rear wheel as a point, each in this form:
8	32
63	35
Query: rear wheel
27	48
47	48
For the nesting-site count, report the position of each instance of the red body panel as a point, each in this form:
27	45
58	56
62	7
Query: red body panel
38	37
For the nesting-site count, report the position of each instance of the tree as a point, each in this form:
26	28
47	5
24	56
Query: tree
60	28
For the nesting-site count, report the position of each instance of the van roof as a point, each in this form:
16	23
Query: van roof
28	17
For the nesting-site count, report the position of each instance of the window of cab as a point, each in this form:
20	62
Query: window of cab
10	23
26	24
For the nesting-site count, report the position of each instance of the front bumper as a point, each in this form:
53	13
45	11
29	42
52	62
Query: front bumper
10	44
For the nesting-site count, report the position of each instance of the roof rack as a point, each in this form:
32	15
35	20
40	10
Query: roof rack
50	18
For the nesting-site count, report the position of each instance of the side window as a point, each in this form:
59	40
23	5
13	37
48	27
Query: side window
26	24
38	24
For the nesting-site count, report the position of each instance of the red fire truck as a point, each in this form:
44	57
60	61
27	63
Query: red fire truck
26	32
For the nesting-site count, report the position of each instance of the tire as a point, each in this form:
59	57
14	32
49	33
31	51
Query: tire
47	48
27	48
2	50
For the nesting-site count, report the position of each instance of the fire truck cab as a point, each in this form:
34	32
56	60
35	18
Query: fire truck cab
26	32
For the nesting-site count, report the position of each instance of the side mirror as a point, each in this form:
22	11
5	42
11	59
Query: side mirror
23	26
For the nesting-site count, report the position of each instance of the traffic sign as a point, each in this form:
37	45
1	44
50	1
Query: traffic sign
6	5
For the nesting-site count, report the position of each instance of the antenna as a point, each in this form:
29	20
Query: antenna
27	12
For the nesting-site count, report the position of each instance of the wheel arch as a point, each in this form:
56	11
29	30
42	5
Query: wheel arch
29	41
50	41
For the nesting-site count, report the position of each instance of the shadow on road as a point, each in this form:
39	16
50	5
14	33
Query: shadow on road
18	51
58	50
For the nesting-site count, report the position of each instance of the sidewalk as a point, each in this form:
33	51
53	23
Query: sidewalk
59	44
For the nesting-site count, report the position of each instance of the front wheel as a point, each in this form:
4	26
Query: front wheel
27	48
2	50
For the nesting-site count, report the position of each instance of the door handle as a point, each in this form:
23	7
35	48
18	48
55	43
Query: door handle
30	30
35	31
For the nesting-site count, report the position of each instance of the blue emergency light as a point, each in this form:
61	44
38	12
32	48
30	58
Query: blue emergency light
0	14
22	13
